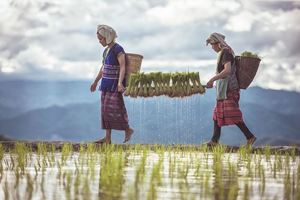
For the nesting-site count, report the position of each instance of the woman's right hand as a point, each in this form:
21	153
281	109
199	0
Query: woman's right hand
93	86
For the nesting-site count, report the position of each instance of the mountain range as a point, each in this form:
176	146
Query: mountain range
67	110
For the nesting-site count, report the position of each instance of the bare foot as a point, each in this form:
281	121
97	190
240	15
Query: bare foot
251	141
128	134
212	143
102	141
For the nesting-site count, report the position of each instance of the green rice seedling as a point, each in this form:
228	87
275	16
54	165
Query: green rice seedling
36	171
147	85
293	153
201	89
66	152
217	170
86	191
246	191
132	84
29	187
155	180
17	177
42	152
155	83
151	89
6	190
249	54
274	169
1	164
293	185
267	152
287	162
140	172
188	84
207	190
134	91
76	187
11	165
131	88
178	85
42	186
67	185
233	192
53	148
91	167
42	149
263	184
287	185
298	182
21	153
158	88
197	172
91	149
194	83
172	167
168	83
142	85
279	163
182	84
174	83
129	85
232	183
111	175
162	83
1	171
1	152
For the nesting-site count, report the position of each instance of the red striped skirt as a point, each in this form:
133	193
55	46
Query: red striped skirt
227	112
113	111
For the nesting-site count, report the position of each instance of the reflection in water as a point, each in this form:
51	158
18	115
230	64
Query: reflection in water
148	172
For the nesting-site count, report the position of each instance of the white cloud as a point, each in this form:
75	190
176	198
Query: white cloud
56	39
240	22
176	13
37	57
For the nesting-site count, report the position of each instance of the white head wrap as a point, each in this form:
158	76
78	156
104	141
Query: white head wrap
108	32
218	38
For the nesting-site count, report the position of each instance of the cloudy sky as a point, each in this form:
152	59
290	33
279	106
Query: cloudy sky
56	39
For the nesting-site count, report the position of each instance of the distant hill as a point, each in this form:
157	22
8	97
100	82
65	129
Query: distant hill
20	96
4	138
69	111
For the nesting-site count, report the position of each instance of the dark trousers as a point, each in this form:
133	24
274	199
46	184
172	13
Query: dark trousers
241	125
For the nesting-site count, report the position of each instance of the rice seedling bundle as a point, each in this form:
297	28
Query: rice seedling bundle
179	84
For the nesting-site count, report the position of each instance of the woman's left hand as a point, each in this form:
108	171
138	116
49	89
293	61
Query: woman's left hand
210	83
121	88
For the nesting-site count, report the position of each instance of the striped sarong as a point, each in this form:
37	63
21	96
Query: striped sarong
227	111
113	111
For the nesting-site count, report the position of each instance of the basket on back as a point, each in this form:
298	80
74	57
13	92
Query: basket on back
133	64
246	69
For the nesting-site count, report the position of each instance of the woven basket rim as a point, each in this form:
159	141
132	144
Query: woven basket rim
135	54
248	57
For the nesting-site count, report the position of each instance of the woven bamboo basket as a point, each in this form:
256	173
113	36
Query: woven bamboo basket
246	70
133	64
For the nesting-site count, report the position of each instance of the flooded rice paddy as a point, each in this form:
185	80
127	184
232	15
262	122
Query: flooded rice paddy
147	172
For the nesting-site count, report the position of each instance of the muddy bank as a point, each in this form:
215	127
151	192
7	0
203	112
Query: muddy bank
9	145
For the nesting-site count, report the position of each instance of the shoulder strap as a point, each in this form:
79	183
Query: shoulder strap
105	52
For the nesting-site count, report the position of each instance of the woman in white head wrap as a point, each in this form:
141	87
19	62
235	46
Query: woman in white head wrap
112	73
227	111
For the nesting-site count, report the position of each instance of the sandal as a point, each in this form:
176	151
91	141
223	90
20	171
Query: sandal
128	135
